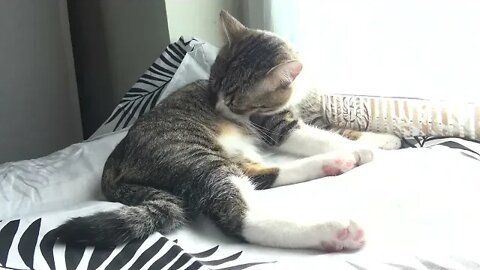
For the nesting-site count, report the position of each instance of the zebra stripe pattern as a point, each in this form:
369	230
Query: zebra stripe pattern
24	246
146	92
470	148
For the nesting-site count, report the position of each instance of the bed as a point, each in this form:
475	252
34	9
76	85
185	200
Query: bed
419	205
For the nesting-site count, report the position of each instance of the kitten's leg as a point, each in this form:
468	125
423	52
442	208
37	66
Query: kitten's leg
262	175
304	169
309	141
241	211
378	140
330	164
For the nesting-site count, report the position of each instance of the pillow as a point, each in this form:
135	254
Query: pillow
164	76
403	116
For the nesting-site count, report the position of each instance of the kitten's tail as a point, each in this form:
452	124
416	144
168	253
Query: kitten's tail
157	210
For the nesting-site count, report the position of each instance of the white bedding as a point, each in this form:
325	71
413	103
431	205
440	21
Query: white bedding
419	207
415	204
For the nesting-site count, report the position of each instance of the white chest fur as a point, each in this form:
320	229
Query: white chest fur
238	144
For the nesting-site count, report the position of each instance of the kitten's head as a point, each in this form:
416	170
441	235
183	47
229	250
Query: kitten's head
254	71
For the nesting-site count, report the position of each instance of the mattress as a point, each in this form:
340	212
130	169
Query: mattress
419	208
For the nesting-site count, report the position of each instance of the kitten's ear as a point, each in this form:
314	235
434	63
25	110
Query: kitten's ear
285	73
232	28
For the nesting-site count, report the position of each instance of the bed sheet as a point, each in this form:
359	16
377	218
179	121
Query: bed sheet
418	206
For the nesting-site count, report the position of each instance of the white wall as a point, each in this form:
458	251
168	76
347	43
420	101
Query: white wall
199	18
427	48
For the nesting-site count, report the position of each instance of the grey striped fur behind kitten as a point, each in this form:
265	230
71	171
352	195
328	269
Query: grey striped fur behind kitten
170	166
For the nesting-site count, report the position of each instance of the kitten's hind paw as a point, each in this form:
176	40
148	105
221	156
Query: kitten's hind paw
338	237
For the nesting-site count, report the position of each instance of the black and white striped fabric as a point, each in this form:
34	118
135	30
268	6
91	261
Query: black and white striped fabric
469	148
146	92
32	245
26	244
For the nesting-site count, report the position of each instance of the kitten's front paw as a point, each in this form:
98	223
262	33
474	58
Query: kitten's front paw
363	156
381	140
336	236
344	162
391	142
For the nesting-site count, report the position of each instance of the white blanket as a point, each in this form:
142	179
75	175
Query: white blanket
419	209
415	205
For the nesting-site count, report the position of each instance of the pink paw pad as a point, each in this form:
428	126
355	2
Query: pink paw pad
331	246
331	170
349	164
359	236
343	234
344	238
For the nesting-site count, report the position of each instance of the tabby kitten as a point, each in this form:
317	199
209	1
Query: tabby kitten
199	152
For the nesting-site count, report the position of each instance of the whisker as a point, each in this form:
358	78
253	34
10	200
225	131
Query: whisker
264	132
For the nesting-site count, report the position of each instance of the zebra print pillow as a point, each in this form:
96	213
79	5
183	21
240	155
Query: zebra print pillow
146	92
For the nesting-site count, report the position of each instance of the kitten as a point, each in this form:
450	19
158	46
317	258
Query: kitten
199	152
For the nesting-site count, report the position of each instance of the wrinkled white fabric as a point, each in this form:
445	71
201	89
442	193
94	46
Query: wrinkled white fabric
412	203
61	179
